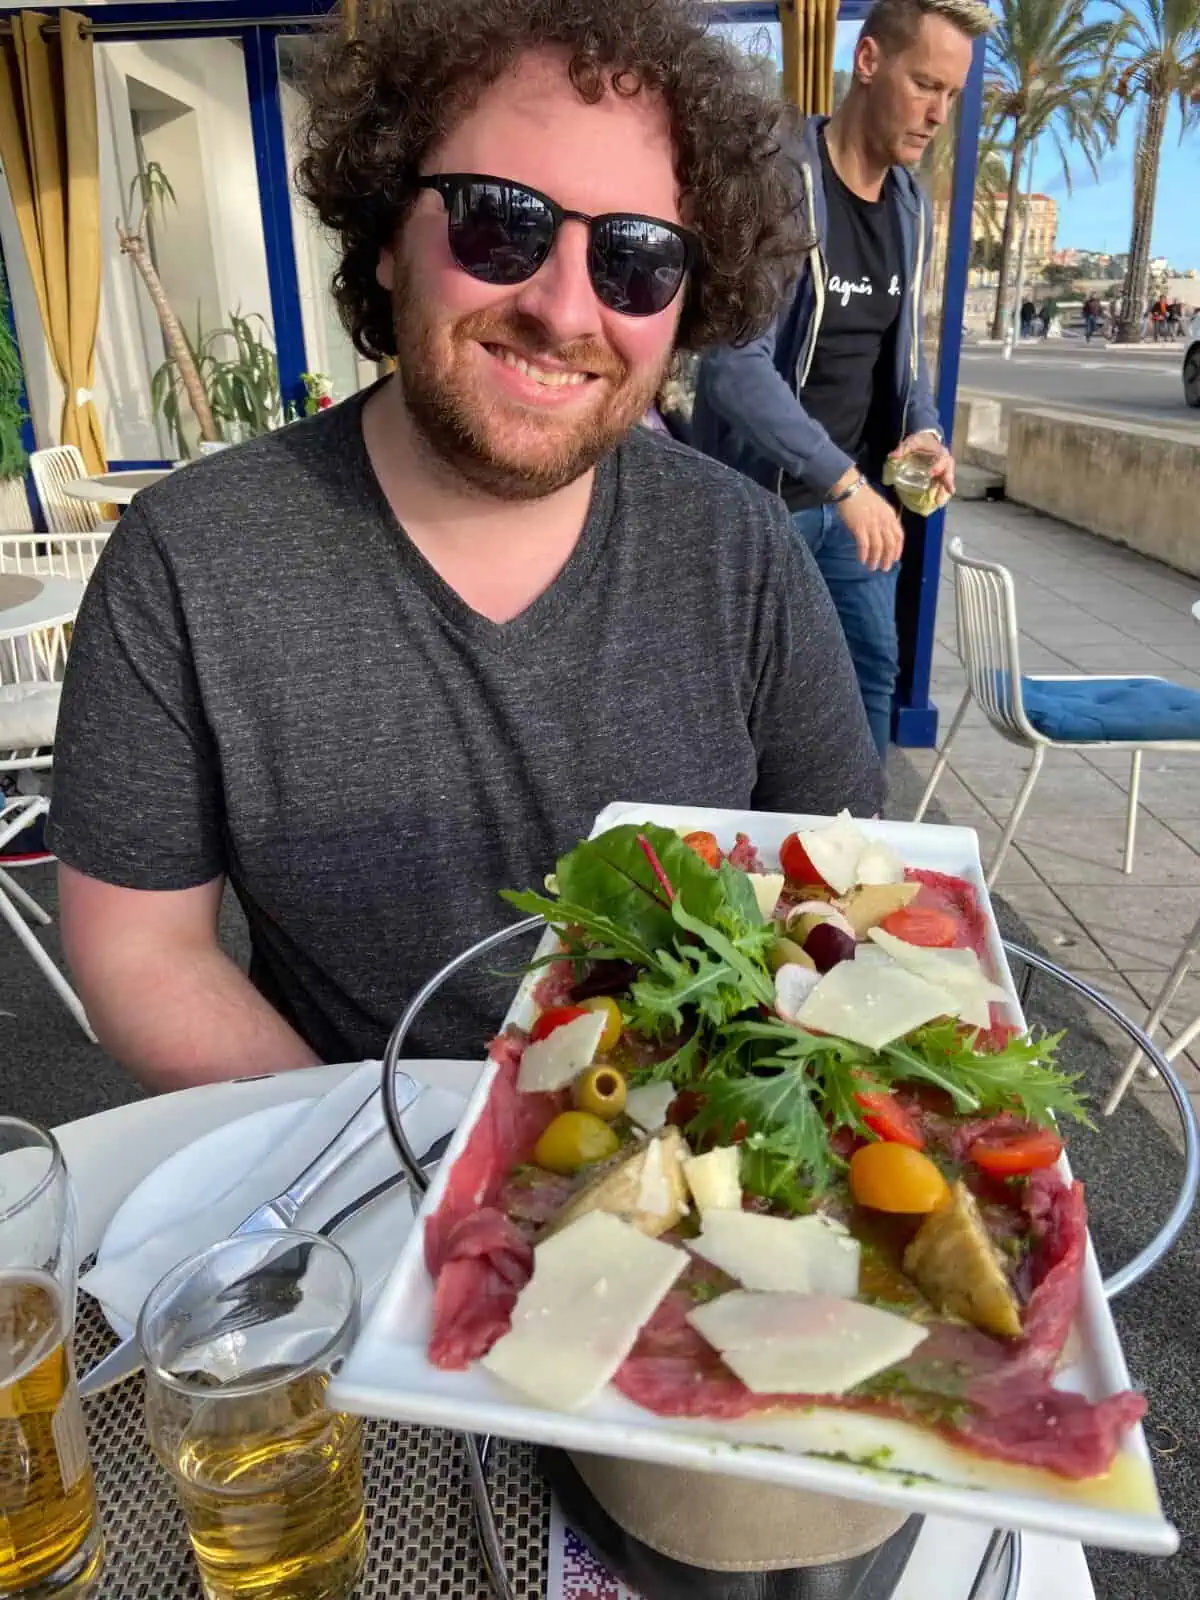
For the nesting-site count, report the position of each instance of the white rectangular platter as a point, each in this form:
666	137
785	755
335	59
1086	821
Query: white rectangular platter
388	1375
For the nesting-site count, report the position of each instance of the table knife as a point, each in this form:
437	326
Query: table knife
278	1213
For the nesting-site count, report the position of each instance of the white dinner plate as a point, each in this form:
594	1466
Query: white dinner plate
173	1191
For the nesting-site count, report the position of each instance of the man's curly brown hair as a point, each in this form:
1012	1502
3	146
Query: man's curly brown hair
381	100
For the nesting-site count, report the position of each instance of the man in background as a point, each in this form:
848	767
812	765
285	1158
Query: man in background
814	406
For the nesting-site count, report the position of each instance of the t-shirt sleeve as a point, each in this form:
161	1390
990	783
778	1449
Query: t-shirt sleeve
137	798
815	751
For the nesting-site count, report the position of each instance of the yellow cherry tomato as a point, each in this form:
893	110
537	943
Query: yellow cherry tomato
601	1090
894	1177
614	1022
573	1140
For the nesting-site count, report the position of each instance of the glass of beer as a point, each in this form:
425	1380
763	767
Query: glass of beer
240	1343
51	1543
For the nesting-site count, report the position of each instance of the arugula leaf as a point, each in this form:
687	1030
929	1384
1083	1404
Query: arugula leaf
1021	1077
774	1174
744	954
608	939
787	1133
685	1066
695	977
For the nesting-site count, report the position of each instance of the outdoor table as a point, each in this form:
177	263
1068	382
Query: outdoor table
421	1531
29	603
115	488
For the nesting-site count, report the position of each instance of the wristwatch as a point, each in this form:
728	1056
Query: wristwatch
838	499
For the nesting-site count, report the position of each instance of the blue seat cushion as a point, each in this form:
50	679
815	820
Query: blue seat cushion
1132	709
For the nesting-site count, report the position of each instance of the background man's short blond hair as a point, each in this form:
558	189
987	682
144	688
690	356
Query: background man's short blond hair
894	24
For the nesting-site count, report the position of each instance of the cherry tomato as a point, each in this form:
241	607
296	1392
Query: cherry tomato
888	1119
554	1017
705	845
614	1022
1009	1153
923	925
794	859
893	1177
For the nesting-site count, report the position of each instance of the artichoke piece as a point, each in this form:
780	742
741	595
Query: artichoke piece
644	1186
955	1262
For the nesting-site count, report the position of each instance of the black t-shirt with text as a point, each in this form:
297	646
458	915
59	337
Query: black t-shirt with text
849	382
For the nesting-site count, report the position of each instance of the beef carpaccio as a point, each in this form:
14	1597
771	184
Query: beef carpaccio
722	1051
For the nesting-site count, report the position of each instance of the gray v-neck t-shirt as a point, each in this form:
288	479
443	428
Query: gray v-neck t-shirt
269	681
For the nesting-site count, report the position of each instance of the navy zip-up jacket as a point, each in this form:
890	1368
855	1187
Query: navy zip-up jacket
749	410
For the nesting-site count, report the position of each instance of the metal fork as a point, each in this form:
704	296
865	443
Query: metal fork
276	1284
280	1212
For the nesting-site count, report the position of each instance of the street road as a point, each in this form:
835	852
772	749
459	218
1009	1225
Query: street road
1145	385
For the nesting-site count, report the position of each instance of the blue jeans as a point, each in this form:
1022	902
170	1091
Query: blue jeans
865	602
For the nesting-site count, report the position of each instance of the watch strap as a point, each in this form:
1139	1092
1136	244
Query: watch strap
839	499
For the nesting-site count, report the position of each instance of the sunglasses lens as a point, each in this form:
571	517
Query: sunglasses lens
499	233
637	266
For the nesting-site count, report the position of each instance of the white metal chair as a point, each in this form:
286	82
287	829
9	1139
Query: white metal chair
986	618
1181	1041
30	672
63	555
52	470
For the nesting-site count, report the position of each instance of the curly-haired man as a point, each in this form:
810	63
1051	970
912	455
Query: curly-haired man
373	667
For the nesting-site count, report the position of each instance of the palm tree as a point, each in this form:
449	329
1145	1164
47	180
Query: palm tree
1160	62
1047	69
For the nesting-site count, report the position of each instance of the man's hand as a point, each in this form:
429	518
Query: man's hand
942	470
874	524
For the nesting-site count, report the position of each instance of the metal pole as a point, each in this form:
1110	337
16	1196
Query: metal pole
1012	332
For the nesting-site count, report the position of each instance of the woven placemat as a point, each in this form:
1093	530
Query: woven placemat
420	1534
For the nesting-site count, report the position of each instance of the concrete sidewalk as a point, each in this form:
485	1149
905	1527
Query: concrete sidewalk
1084	606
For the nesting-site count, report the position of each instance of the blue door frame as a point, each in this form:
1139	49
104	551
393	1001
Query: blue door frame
259	24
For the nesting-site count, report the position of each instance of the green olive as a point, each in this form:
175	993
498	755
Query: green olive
601	1090
573	1140
785	952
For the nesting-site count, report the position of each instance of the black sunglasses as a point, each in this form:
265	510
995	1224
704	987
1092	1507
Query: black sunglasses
502	232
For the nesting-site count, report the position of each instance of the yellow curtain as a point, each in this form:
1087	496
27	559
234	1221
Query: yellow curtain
809	30
49	147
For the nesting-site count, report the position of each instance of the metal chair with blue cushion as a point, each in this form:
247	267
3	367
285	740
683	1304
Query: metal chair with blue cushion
1044	713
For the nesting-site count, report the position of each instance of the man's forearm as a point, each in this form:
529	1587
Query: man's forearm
175	1019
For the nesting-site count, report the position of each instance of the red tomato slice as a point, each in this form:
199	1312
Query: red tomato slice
1018	1150
796	863
705	845
554	1017
923	925
888	1120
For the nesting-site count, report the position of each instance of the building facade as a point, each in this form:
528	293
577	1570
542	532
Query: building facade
988	225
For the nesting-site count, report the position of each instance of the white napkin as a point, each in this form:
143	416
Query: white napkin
121	1282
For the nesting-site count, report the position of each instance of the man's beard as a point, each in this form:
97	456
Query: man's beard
475	438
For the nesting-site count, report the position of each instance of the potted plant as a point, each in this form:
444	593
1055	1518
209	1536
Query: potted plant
13	460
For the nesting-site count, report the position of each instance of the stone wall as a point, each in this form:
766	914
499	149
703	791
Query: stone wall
1138	486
